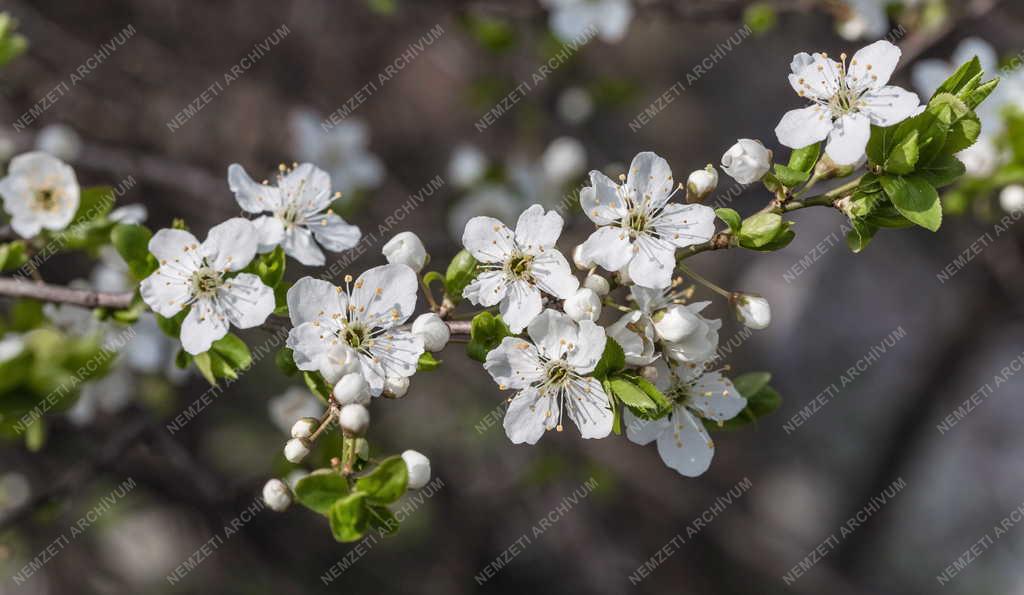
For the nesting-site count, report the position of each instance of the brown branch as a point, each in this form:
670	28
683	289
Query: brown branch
58	294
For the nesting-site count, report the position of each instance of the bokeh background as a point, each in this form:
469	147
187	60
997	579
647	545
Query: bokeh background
420	122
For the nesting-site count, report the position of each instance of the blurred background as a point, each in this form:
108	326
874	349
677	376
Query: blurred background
471	107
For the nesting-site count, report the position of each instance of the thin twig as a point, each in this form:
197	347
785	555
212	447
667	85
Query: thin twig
58	294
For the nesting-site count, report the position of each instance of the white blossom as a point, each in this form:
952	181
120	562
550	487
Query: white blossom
61	141
1011	198
634	332
683	443
406	248
700	344
518	267
342	150
354	419
432	330
295	403
574	20
352	388
597	284
39	192
747	161
396	386
300	212
846	101
583	305
337	361
418	467
304	427
365	315
550	374
205	279
638	229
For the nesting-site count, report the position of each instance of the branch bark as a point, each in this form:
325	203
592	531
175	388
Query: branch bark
58	294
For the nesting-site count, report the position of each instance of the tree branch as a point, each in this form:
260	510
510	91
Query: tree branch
58	294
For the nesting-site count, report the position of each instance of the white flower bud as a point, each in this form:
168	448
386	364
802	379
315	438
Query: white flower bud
1012	198
432	330
649	373
277	495
747	161
354	419
701	183
419	469
352	388
406	248
296	449
339	360
752	310
580	262
597	284
396	386
675	323
305	427
583	305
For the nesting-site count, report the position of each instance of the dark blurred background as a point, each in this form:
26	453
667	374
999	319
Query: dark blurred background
803	484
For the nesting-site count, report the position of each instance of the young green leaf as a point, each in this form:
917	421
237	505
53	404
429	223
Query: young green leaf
427	362
613	360
349	517
760	229
903	156
319	490
630	394
132	243
915	199
731	218
386	483
234	351
461	271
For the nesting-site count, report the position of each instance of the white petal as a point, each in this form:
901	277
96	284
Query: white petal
308	187
587	406
269	231
653	263
849	139
26	226
528	415
230	246
552	332
175	245
298	243
685	225
398	352
385	296
488	239
487	289
165	292
715	397
521	305
246	301
873	65
889	105
308	343
644	431
588	348
537	230
315	299
814	76
647	299
203	325
686	446
636	337
650	179
374	373
609	247
514	363
333	232
805	126
553	275
252	196
601	201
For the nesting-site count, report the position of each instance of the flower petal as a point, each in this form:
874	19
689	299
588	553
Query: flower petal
521	305
873	65
686	447
715	397
849	139
398	352
644	431
552	332
252	196
203	325
269	231
298	243
176	245
384	296
805	126
588	347
514	364
889	105
587	406
165	291
246	301
685	225
649	180
814	76
313	299
634	333
487	289
528	415
653	263
488	239
601	201
308	187
308	342
230	246
333	232
609	247
537	230
553	275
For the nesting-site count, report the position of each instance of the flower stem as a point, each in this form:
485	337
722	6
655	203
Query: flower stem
704	281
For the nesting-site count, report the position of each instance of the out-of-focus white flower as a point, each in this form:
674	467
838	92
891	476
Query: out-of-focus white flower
61	141
277	495
342	150
551	376
103	396
862	19
467	166
434	332
7	147
354	419
982	158
39	192
205	279
583	305
295	403
14	492
296	449
575	105
490	200
564	159
406	248
1011	198
135	213
752	310
11	346
418	467
352	388
576	20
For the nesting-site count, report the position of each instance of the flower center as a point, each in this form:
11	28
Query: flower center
558	373
205	282
518	266
356	335
289	215
845	101
46	199
637	221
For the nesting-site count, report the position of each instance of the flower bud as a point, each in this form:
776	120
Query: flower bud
419	469
701	183
752	310
597	284
747	161
363	449
339	360
406	248
296	449
432	330
1012	198
580	262
583	305
305	427
277	495
675	323
396	386
352	388
826	169
649	373
354	419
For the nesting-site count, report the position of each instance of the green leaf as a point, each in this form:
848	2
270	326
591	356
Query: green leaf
461	271
383	519
26	315
349	517
630	394
751	383
269	267
234	351
427	362
171	326
759	404
790	177
662	402
974	98
613	360
760	229
962	134
903	156
805	159
485	333
319	490
12	255
204	363
285	360
915	199
881	142
317	385
35	435
942	171
731	218
956	82
132	243
386	483
93	203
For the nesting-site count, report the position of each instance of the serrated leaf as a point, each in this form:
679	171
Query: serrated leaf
962	134
904	156
319	491
630	394
805	158
790	177
915	199
942	171
613	359
956	81
386	483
